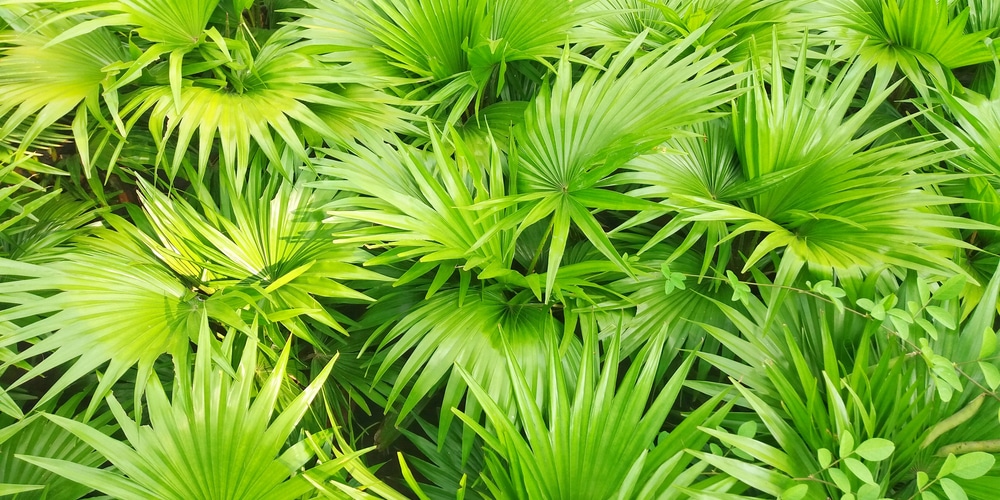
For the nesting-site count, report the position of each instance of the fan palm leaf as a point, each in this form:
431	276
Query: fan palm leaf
45	234
703	165
969	124
575	135
246	92
110	299
35	221
677	313
267	98
573	449
213	438
74	76
821	192
38	436
919	37
264	244
984	16
419	206
443	465
459	52
433	339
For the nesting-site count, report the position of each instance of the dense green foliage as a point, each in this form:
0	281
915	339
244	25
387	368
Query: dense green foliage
512	249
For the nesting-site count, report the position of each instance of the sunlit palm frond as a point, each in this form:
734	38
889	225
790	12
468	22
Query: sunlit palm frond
576	135
109	300
45	81
984	16
703	165
462	53
176	24
214	437
34	221
618	21
419	205
726	24
640	249
821	191
571	445
334	30
262	245
919	37
969	120
270	98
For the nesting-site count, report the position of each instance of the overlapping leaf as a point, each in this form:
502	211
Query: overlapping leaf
212	438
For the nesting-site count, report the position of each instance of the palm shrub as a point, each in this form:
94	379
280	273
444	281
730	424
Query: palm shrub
511	249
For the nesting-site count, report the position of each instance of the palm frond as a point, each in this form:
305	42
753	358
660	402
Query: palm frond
38	436
418	205
216	438
264	245
571	446
108	301
433	338
269	98
456	54
919	37
576	135
821	191
73	77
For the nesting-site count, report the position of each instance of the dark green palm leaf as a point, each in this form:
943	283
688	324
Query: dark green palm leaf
471	331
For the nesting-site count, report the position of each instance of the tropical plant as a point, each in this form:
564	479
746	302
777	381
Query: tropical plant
499	249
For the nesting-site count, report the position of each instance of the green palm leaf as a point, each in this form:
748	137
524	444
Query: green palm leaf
443	465
211	439
73	77
419	205
676	314
917	36
576	135
827	372
264	246
984	16
45	224
464	51
970	122
574	449
266	98
108	301
35	223
36	435
470	331
686	168
823	193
